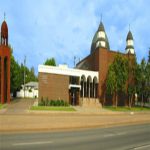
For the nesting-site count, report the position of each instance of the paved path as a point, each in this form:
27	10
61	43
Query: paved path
18	106
135	137
39	122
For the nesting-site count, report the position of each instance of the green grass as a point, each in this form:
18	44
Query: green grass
127	108
2	106
52	108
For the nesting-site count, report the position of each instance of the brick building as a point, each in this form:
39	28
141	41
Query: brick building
4	65
86	82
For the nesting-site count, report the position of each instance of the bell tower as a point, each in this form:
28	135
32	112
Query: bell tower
4	65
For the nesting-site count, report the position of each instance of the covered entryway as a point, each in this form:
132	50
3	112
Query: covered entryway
74	96
74	90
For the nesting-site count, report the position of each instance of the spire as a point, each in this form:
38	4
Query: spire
101	27
4	16
101	17
129	43
129	36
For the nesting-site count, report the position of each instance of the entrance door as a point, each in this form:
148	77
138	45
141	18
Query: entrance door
74	96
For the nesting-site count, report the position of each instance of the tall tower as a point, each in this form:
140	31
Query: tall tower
4	65
130	43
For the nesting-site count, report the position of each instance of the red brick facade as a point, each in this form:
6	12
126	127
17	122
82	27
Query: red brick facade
99	61
53	86
4	65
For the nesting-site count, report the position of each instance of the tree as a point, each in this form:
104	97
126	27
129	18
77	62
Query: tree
117	76
50	62
17	75
110	81
141	79
132	63
15	78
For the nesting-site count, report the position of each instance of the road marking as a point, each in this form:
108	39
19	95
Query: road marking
33	143
121	133
115	134
141	147
109	135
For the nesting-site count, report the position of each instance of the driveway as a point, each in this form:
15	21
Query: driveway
18	106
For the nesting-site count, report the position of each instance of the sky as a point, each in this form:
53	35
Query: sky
41	29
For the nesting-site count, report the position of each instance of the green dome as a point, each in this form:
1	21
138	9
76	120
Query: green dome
96	39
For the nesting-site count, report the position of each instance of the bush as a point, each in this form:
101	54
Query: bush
66	104
47	102
52	103
61	103
58	103
41	103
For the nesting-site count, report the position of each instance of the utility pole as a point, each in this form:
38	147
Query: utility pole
24	74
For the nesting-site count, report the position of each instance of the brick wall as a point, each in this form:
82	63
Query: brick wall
53	86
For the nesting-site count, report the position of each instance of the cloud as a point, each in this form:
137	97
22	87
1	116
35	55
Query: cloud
64	29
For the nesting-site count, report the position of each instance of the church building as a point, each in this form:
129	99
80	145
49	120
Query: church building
86	83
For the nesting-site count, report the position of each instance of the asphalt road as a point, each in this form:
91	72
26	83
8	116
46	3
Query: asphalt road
135	137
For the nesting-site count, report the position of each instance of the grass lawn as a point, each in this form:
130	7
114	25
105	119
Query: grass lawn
127	108
61	108
2	106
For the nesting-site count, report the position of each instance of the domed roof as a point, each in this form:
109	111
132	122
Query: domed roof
4	29
129	36
96	39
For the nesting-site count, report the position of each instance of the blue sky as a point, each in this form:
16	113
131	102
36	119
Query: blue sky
62	29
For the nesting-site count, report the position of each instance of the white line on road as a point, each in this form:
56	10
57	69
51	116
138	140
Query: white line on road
114	134
32	143
141	147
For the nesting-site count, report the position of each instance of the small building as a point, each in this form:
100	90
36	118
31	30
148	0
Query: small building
30	90
70	85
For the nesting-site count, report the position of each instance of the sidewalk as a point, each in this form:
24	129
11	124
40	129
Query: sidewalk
65	121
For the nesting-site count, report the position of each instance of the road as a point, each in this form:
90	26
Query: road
135	137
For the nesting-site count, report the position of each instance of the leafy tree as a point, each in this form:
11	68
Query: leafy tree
141	79
17	75
117	77
110	81
132	64
50	62
15	78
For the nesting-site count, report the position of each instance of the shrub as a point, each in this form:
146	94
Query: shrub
58	103
52	103
61	103
46	101
30	90
49	103
66	104
41	103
